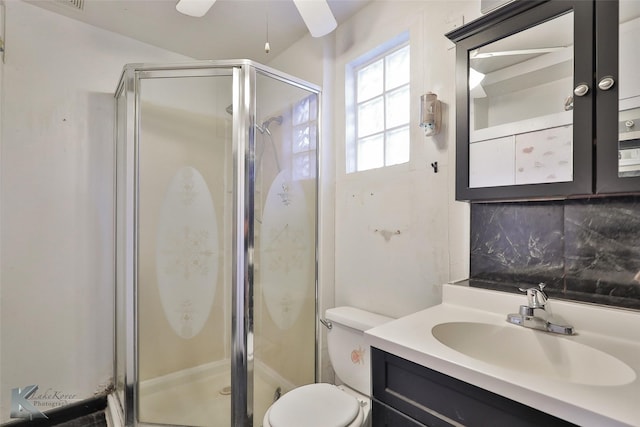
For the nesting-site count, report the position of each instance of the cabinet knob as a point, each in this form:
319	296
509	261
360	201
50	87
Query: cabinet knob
581	90
606	83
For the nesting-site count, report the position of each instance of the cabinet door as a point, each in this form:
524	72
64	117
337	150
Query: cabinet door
521	130
385	416
618	96
438	400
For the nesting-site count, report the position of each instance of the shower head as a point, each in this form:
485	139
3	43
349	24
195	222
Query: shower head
277	119
264	128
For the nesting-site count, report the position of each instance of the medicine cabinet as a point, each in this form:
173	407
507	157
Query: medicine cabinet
548	101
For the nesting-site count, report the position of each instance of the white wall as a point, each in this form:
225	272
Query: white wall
57	173
56	270
358	266
399	232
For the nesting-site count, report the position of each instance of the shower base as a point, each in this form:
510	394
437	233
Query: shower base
201	396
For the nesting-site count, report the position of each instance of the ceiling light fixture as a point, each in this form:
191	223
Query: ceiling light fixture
267	46
316	14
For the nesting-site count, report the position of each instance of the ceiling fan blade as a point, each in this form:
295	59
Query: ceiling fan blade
477	92
479	55
195	8
317	15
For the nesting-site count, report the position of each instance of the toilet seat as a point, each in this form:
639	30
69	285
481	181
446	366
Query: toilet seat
315	405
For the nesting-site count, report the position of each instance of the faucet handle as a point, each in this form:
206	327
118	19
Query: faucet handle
536	297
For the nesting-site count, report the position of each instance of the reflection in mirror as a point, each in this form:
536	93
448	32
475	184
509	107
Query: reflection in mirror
629	89
520	107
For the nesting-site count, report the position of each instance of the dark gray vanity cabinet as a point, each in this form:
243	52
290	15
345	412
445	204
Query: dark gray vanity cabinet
548	101
409	395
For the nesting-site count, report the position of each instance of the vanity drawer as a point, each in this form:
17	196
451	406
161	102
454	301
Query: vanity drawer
435	399
386	416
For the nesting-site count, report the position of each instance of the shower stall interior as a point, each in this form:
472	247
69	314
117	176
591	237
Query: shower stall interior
216	231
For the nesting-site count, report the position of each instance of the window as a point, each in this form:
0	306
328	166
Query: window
304	127
378	109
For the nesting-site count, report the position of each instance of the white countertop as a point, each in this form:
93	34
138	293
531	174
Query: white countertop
614	331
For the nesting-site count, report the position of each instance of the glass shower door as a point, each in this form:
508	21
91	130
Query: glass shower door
184	236
121	285
216	195
286	133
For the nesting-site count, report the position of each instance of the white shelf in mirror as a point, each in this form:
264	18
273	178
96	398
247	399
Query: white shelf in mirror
524	126
628	136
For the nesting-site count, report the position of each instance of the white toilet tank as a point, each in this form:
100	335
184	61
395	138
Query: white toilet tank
349	355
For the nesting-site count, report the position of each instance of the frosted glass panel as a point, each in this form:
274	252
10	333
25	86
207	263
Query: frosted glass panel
398	107
184	249
305	110
370	81
304	138
284	241
397	146
383	104
304	165
371	152
371	117
187	251
398	70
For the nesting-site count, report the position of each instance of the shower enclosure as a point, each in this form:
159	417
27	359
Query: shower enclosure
216	231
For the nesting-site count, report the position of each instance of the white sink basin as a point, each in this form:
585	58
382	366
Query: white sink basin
534	352
591	379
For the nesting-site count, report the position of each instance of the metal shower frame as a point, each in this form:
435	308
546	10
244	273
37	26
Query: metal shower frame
244	74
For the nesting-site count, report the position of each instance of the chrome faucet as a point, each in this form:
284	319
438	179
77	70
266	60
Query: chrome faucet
535	315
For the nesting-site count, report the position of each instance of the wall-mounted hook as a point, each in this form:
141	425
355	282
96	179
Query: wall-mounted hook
387	234
434	165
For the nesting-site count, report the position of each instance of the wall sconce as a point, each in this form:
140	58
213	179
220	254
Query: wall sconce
430	115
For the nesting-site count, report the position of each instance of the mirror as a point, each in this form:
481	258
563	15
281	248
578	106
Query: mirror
629	89
520	107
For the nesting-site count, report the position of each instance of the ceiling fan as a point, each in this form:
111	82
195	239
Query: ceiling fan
475	54
316	14
476	77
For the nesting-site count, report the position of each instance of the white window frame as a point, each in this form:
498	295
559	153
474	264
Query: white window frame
351	103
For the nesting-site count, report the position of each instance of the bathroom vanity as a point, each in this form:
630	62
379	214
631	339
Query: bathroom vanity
462	363
399	388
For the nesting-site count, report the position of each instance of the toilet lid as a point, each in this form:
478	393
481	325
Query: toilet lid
314	405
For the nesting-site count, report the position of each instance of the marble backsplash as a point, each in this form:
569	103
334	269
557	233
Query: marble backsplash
584	250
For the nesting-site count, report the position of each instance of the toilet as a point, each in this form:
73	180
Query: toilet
328	405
